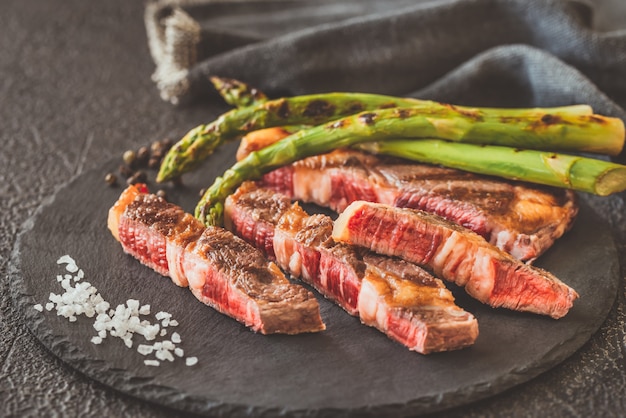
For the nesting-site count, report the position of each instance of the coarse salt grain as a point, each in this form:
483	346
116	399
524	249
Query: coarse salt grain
145	349
81	298
162	315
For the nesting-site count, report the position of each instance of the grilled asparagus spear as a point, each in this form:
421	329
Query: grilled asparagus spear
458	125
200	142
541	167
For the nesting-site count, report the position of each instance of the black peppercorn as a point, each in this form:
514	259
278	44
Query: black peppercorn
110	179
143	154
126	171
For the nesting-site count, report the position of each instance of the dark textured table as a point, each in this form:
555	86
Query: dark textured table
75	90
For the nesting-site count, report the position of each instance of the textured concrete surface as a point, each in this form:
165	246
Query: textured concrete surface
75	90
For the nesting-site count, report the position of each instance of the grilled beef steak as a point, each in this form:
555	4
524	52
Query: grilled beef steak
222	270
455	254
521	219
400	299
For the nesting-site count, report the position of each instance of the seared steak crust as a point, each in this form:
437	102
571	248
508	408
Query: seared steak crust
400	299
519	218
222	270
455	254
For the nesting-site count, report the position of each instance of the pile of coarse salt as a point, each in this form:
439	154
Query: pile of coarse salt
124	322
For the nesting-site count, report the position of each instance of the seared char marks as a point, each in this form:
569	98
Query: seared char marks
222	270
259	229
319	109
243	284
519	218
367	118
455	254
400	299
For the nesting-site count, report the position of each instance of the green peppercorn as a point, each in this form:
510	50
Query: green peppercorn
129	157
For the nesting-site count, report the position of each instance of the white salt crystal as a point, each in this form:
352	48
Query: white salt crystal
102	307
167	355
162	315
70	263
81	298
133	304
144	349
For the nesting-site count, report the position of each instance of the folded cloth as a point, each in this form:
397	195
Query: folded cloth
471	52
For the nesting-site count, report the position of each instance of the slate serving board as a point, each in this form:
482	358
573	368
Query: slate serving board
347	370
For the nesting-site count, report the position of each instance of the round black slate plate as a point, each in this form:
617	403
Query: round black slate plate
349	369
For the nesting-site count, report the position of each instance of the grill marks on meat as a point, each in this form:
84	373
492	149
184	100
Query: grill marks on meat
454	254
221	270
519	218
400	299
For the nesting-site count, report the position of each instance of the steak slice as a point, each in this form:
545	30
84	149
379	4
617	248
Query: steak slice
400	299
521	219
455	254
222	270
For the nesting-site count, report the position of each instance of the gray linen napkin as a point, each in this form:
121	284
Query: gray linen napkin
474	52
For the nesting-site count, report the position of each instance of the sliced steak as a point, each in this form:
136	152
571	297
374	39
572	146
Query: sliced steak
222	270
455	254
400	299
521	219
